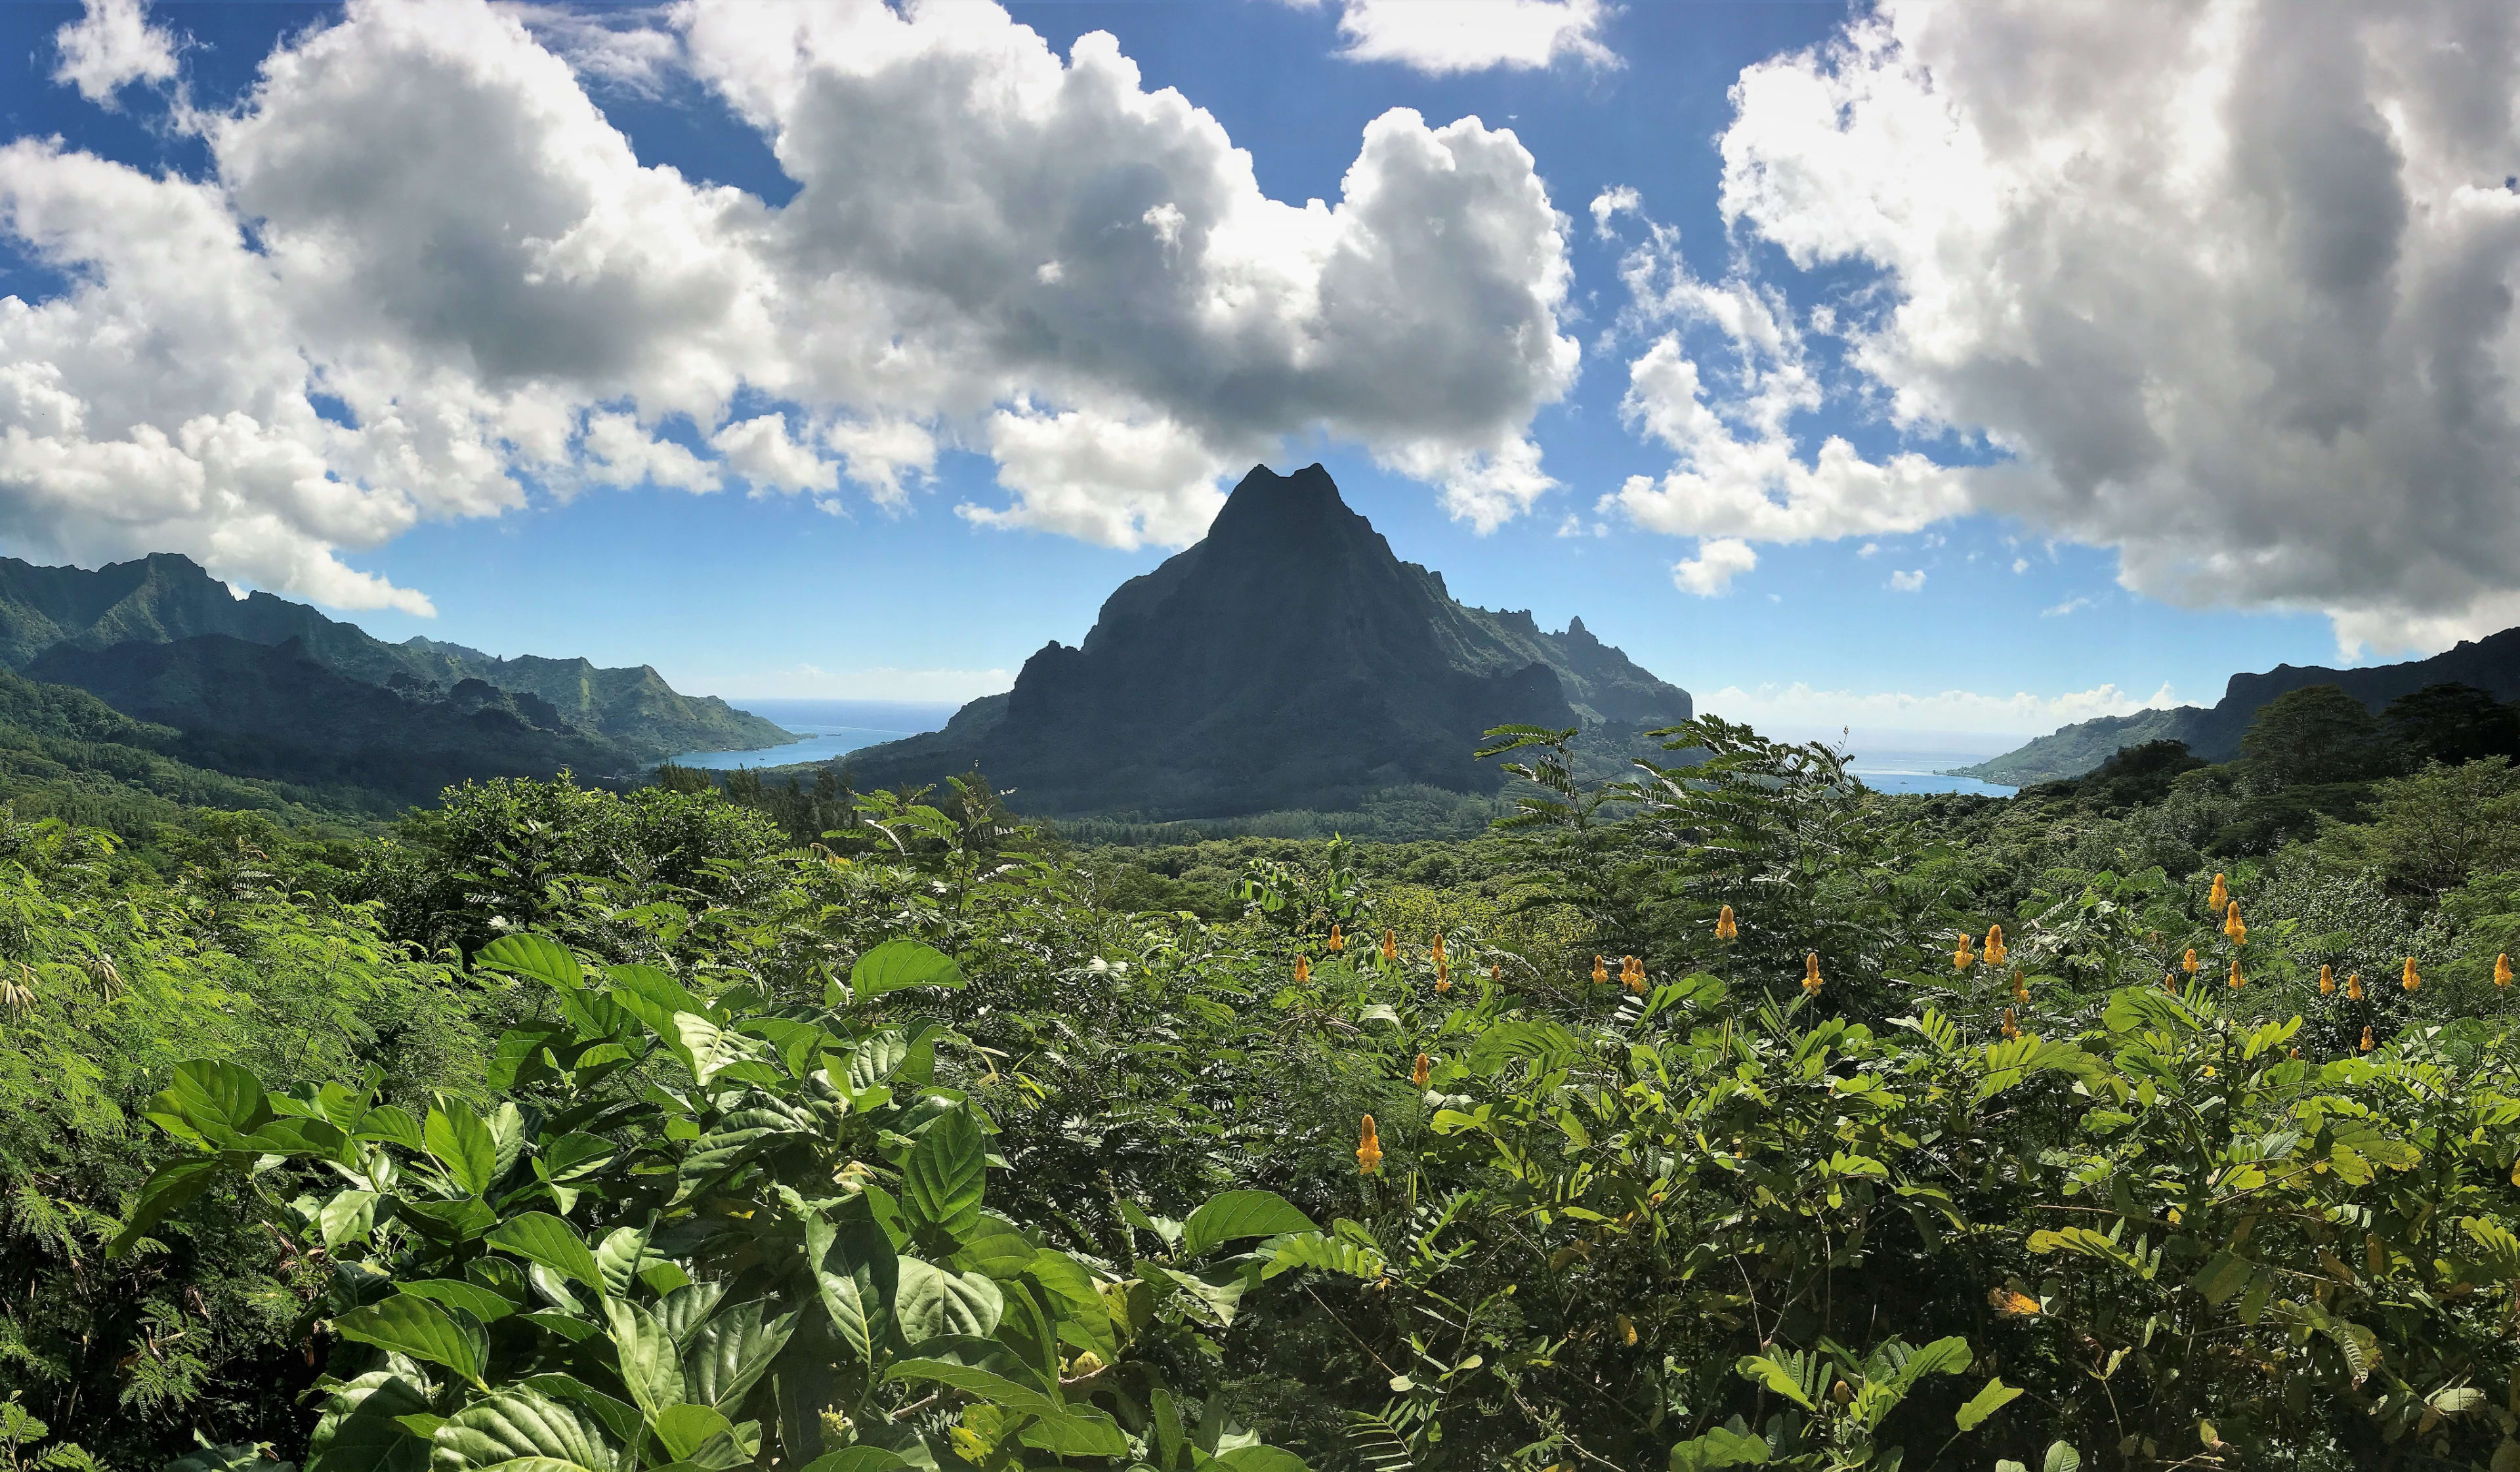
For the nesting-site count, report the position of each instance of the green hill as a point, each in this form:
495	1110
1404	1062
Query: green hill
164	597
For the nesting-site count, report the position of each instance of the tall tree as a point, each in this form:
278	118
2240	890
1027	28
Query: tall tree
2318	733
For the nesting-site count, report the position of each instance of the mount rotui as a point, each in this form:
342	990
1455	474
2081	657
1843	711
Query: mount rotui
1287	661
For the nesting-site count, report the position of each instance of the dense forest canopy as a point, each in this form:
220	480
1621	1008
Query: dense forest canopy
1718	1112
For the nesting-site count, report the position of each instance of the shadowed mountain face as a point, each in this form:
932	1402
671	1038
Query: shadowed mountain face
1288	661
164	599
273	711
2213	733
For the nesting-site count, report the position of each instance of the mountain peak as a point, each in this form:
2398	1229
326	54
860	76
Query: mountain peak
1289	660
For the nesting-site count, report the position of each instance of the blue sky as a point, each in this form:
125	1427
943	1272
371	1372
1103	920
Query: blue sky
2047	435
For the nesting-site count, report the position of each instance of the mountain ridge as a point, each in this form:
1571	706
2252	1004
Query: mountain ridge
2213	733
1287	659
167	597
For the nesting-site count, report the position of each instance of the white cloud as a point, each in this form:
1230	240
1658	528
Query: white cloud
2231	288
1951	710
111	46
1908	582
2020	566
1719	560
2069	606
452	244
1446	37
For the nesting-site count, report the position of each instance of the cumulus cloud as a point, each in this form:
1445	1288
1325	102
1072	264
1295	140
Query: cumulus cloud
1719	560
1951	710
1739	472
1446	37
111	46
426	273
1908	582
2226	286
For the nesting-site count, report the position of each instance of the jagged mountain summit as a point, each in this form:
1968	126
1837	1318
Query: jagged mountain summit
2491	664
1287	661
71	619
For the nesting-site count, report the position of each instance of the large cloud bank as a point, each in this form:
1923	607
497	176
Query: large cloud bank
428	272
2227	287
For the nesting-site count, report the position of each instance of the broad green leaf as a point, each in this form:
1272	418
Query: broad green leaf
513	1426
391	1124
933	1301
981	1385
684	1428
554	1243
859	1275
1994	1398
360	1430
1082	1432
1236	1215
543	960
650	1367
619	1418
464	1145
685	1309
416	1326
471	1298
518	1053
947	1173
2062	1458
726	1357
996	1248
621	1257
2223	1274
1722	1446
207	1092
1948	1356
899	963
171	1187
347	1218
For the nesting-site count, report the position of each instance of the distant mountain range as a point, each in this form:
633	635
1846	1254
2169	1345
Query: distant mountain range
264	688
1288	661
2214	732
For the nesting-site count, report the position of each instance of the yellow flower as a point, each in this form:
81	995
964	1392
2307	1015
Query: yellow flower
2012	1029
1336	942
1995	947
2221	896
1303	971
1417	1075
2353	987
1811	973
1724	929
2502	970
1439	950
2168	984
2328	981
2020	989
1369	1150
2237	980
2189	964
1632	975
1443	978
1627	1331
2411	980
2209	1070
2232	926
1962	957
1496	973
2366	1040
1601	972
1390	946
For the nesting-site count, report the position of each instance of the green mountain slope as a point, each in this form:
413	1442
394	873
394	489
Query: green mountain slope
1287	661
2491	664
165	598
275	712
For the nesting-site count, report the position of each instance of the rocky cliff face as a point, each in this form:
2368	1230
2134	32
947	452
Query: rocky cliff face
1287	661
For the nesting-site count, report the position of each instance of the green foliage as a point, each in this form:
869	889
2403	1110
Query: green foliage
600	1130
